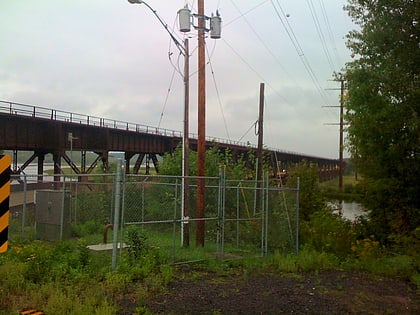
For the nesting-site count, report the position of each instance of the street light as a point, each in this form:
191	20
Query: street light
184	50
177	43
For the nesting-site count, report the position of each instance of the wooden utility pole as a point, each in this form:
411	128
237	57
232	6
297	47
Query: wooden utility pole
260	146
341	144
339	78
201	141
185	149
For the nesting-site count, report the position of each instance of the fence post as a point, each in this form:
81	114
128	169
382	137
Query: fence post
237	214
182	217
124	193
62	208
116	212
297	216
265	205
25	192
221	211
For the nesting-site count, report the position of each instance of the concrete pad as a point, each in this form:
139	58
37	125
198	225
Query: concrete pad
109	246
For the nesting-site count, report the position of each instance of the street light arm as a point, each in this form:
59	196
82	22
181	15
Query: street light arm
177	43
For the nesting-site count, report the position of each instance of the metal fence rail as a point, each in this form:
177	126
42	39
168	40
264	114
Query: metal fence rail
236	223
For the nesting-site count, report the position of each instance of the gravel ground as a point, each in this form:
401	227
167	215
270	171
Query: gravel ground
328	292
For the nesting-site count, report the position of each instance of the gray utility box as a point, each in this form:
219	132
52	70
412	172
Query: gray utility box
53	215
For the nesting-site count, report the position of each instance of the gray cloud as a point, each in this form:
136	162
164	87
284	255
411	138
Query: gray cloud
110	58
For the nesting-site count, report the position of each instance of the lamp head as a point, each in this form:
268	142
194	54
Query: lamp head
135	1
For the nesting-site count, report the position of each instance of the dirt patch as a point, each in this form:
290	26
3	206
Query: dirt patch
329	292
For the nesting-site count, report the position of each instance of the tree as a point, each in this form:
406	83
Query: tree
215	158
383	110
310	198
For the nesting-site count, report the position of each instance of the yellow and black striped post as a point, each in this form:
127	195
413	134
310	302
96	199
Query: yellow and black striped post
4	200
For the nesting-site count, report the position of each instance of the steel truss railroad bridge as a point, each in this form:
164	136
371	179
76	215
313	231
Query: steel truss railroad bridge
49	131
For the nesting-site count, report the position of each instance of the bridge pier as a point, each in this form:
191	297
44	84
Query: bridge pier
105	161
40	162
139	161
127	157
83	162
57	165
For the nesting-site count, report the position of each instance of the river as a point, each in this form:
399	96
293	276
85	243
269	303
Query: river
349	210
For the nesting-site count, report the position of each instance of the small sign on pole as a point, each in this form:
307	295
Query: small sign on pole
5	162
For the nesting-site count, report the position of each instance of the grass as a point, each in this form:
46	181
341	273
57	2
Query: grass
66	278
351	189
333	183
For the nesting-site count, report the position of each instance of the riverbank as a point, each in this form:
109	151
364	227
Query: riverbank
351	189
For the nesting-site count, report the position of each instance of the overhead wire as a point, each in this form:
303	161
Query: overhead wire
217	92
289	31
269	50
323	40
281	183
245	13
246	132
329	31
291	35
295	42
176	69
212	70
166	98
253	70
264	43
281	96
276	92
334	47
320	34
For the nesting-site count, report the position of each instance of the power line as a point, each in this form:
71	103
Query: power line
167	97
320	33
329	30
218	94
264	43
255	71
245	13
246	132
289	30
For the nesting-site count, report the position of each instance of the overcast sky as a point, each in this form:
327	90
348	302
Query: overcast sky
110	59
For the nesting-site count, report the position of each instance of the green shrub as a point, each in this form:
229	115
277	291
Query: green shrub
312	260
328	232
307	260
137	243
90	227
396	265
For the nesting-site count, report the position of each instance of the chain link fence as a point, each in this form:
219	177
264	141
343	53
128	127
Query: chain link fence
242	217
